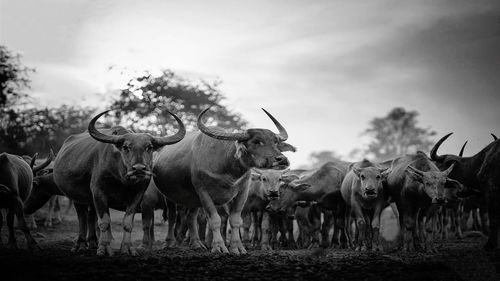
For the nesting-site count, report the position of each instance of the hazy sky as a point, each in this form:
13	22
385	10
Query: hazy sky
323	68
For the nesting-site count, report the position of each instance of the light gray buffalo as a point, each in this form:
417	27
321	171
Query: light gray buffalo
207	168
264	187
418	188
99	170
363	192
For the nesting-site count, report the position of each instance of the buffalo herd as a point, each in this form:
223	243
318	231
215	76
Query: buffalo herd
206	178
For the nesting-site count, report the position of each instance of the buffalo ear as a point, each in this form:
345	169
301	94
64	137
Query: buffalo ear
385	172
301	186
289	178
413	174
356	170
283	146
450	183
255	175
241	149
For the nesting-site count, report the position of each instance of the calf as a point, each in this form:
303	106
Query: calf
323	186
362	190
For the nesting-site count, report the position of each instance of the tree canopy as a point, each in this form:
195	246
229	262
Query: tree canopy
397	134
142	101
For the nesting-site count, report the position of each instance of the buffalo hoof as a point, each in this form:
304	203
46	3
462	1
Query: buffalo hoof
79	246
237	248
219	247
92	245
377	248
145	248
313	245
48	223
265	247
127	249
197	245
170	243
104	249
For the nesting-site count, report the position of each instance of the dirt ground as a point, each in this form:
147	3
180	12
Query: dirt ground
457	260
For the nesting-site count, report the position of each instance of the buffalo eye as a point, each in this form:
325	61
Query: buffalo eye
149	148
362	177
264	179
126	148
378	177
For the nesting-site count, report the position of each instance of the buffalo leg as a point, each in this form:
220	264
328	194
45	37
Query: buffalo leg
81	242
493	213
325	228
128	224
428	229
147	215
170	240
247	223
192	220
375	227
483	213
235	221
50	212
104	221
19	211
92	227
266	232
10	225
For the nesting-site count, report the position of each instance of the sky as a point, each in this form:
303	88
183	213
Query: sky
324	69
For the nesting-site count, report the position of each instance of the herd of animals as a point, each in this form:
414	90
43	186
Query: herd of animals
243	178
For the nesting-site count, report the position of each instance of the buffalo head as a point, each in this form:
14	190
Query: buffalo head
371	181
259	148
436	184
136	149
290	189
269	181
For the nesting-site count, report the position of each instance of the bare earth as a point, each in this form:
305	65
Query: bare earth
457	260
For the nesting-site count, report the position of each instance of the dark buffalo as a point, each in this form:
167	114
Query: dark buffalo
16	177
99	169
419	188
321	185
480	171
207	168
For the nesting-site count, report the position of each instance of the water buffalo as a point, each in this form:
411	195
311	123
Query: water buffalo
16	176
362	190
264	187
209	167
419	188
99	170
481	171
321	185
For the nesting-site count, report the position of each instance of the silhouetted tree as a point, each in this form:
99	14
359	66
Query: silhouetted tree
143	100
321	157
13	78
397	134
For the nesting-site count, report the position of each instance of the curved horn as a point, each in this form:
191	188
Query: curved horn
44	164
462	149
33	159
282	132
494	137
161	141
100	136
434	155
218	133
